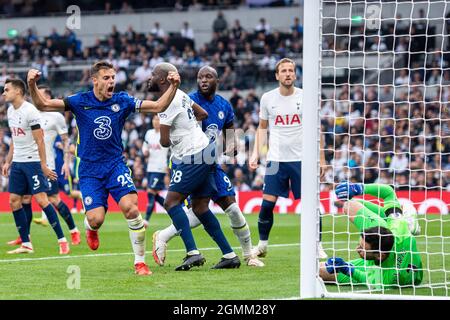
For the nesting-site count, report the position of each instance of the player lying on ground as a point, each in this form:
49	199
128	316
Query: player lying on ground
28	163
389	256
220	118
54	125
194	163
101	116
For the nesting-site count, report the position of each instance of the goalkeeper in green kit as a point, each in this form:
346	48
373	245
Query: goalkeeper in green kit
387	246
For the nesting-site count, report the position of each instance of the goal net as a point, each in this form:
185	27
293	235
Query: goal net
376	78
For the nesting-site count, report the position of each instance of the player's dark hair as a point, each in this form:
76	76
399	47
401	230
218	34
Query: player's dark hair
284	60
47	90
18	83
379	238
96	67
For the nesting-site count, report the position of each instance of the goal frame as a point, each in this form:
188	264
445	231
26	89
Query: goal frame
311	286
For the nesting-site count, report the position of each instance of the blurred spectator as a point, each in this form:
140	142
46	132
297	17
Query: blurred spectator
262	26
186	31
220	24
157	31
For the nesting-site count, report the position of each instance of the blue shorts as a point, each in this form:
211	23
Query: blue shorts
155	180
53	187
27	178
97	181
282	176
64	184
224	185
194	178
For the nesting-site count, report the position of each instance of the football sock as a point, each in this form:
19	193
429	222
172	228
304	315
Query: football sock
212	226
168	233
265	219
181	223
150	205
22	225
193	220
160	200
240	228
65	213
28	214
87	226
53	220
137	238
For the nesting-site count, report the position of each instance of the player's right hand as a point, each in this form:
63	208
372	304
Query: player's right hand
347	190
33	76
174	78
335	264
65	170
5	169
253	163
49	173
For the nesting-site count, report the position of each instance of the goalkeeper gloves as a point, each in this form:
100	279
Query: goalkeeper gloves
339	265
347	190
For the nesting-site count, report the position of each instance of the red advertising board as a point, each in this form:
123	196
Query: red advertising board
430	202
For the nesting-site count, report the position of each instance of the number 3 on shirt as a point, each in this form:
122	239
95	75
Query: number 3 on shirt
104	129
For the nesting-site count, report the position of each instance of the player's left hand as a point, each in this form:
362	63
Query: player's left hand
49	173
65	170
336	264
174	78
347	190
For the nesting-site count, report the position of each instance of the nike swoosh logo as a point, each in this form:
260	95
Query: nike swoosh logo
87	108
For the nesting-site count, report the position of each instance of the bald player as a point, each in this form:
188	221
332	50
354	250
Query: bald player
193	169
220	119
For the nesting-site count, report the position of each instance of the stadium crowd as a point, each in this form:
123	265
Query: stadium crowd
393	133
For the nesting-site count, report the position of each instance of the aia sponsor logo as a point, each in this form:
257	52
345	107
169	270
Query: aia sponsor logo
17	132
287	120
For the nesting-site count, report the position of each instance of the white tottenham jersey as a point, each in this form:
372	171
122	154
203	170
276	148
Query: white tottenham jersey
157	159
284	114
20	121
186	134
53	124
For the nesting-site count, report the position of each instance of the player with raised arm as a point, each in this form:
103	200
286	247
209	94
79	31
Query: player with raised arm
156	166
220	118
387	248
28	163
100	116
281	112
194	163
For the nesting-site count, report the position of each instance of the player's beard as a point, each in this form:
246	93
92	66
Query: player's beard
153	87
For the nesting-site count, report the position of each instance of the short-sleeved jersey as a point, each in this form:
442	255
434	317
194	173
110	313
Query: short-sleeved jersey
186	135
20	121
220	114
53	124
157	160
284	114
100	124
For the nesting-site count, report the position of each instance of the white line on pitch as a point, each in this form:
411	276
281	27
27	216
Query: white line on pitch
125	254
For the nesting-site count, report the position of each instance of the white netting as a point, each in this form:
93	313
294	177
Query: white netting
385	83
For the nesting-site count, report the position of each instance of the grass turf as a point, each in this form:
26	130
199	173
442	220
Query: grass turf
108	272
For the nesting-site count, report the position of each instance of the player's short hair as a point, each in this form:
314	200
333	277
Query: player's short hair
96	67
380	238
166	67
46	89
18	84
284	60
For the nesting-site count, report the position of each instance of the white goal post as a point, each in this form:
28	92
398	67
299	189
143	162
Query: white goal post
377	73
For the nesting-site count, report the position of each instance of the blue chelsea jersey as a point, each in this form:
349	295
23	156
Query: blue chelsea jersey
100	124
220	114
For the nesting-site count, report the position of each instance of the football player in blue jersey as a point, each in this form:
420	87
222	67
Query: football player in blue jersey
220	118
194	163
100	115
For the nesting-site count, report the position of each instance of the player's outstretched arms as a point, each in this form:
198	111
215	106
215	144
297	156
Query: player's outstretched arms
41	102
199	113
165	100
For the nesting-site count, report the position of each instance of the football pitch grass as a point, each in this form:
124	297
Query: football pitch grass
108	272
